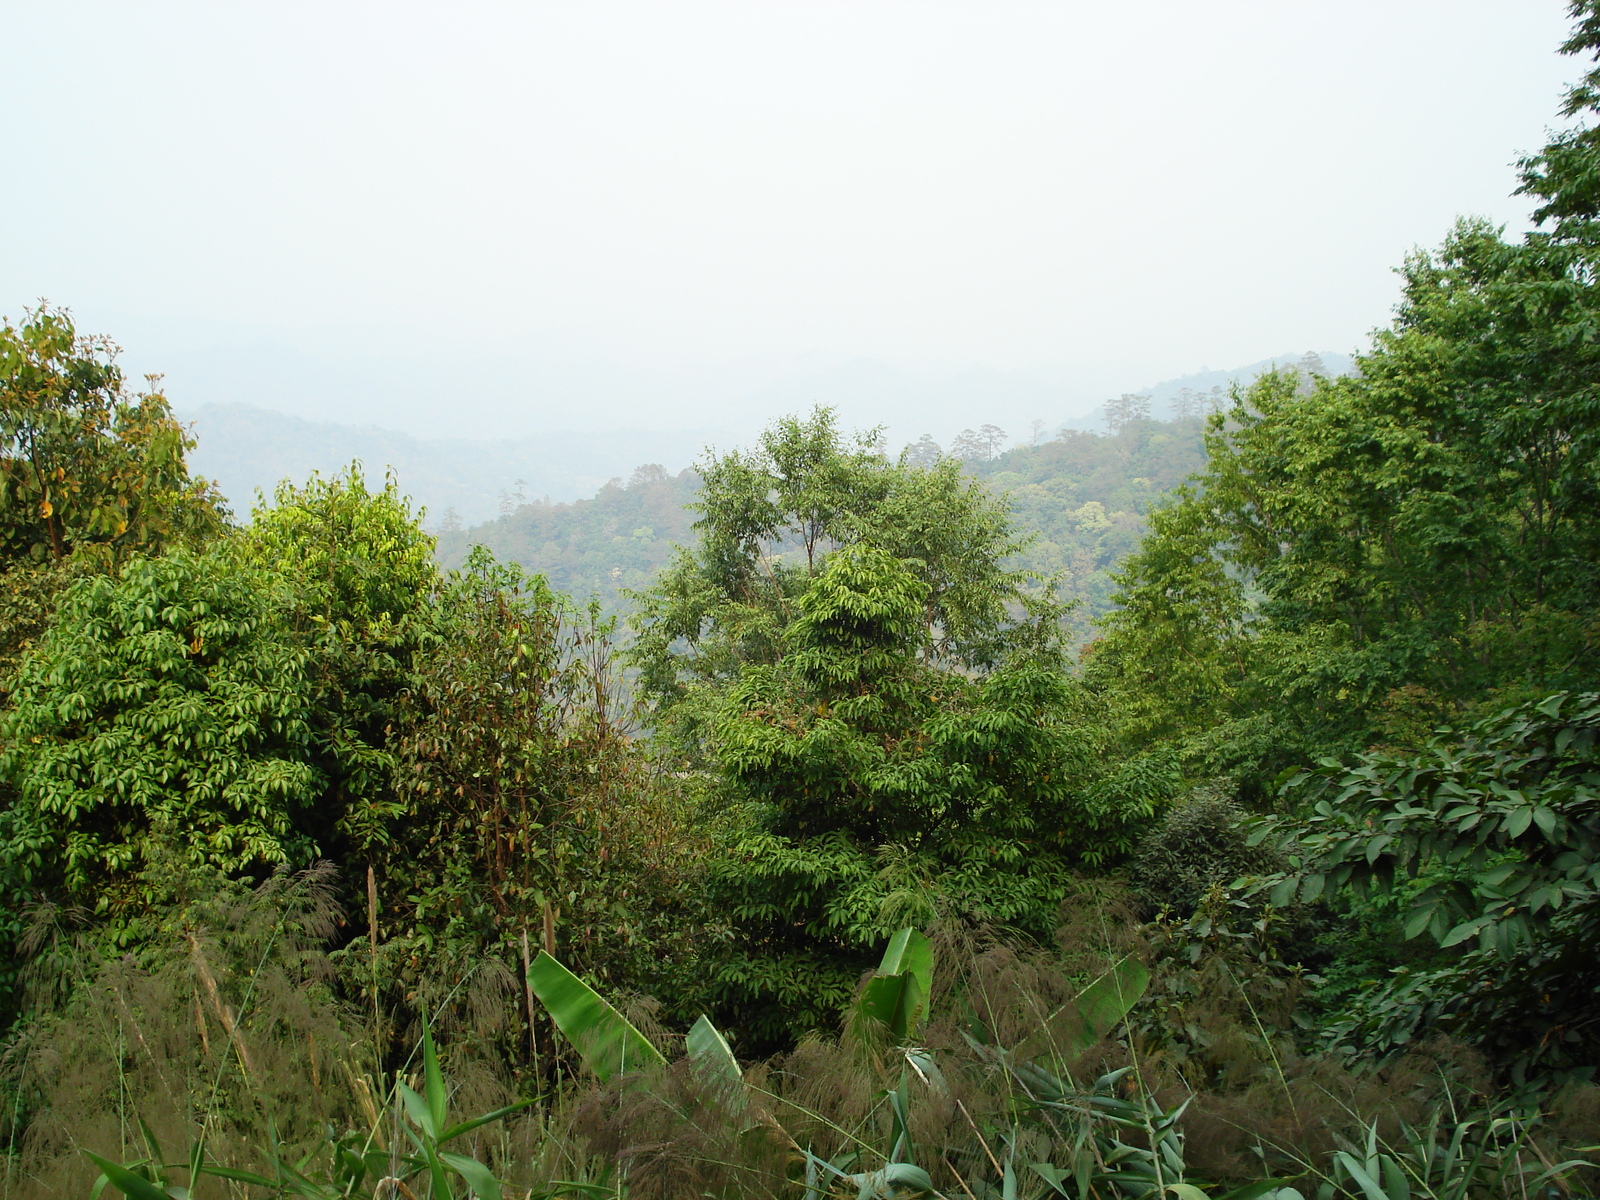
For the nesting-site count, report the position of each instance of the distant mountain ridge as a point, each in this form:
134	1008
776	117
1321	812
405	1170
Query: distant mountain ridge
1204	380
245	450
463	481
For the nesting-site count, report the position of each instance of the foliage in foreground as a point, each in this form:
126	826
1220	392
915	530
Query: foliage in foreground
969	1067
1499	828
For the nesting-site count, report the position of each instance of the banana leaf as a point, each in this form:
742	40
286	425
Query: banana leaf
1106	1001
897	994
608	1044
708	1051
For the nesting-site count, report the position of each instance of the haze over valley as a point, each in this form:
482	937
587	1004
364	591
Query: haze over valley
246	448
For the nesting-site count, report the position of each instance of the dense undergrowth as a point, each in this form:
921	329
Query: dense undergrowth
1102	1059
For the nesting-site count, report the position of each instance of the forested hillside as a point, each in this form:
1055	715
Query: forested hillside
591	548
330	871
1084	495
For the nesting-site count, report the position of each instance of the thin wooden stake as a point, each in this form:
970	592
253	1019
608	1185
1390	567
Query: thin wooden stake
372	910
372	943
224	1013
200	1023
527	995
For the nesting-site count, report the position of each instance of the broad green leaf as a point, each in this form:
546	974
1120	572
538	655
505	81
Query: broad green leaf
1106	1001
419	1110
608	1044
898	993
1419	920
909	950
893	1001
709	1052
1464	931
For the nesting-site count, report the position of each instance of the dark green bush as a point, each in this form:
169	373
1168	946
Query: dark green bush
1198	845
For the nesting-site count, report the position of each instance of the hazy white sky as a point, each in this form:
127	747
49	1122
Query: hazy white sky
452	216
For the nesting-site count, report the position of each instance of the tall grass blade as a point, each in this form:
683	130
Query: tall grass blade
479	1178
433	1084
1357	1171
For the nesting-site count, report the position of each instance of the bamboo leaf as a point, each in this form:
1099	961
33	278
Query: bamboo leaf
479	1178
1394	1180
433	1084
418	1110
129	1183
1053	1175
239	1176
1368	1185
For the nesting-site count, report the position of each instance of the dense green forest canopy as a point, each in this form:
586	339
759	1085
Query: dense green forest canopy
1257	846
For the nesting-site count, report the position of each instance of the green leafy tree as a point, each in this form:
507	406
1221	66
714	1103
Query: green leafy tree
363	579
231	703
1365	558
91	478
165	708
768	520
886	788
855	669
529	811
83	463
90	475
1424	528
